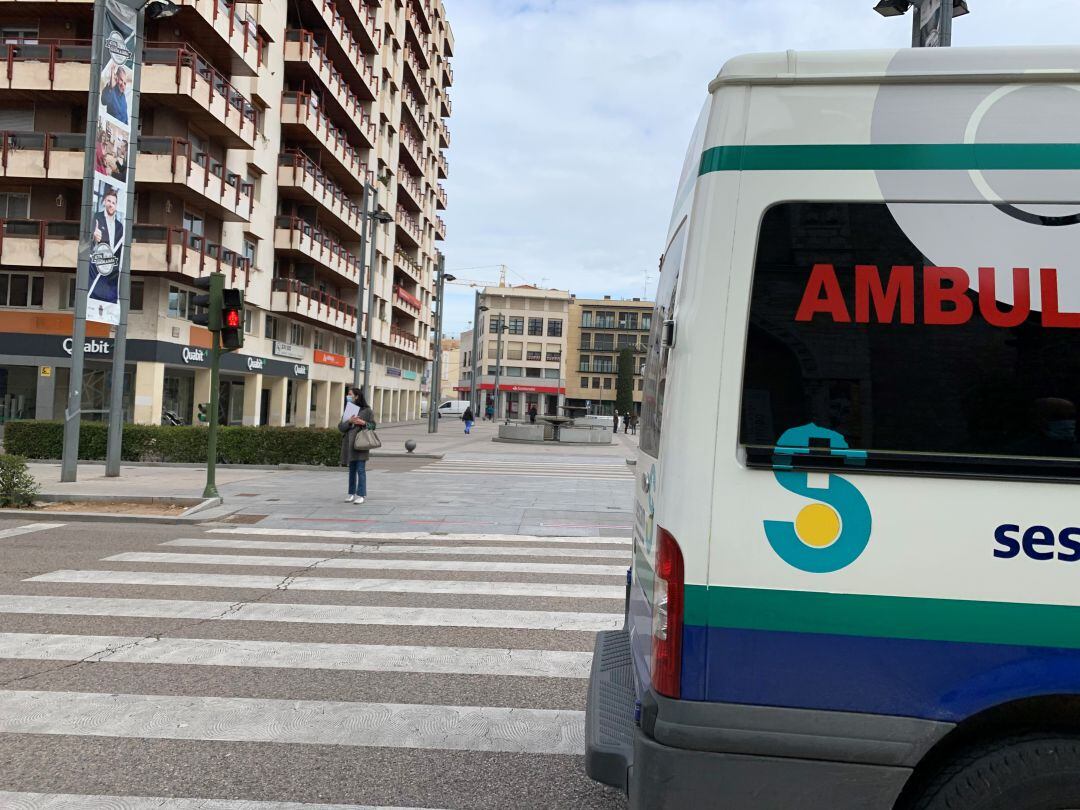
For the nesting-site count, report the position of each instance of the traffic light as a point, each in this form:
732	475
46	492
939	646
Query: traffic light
204	408
232	320
210	302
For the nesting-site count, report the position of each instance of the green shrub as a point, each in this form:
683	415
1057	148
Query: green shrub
236	445
17	486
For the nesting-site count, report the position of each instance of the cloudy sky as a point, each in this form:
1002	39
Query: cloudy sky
571	119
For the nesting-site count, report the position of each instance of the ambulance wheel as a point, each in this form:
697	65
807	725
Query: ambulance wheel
1033	772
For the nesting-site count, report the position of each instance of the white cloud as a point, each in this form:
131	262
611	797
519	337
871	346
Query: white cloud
571	119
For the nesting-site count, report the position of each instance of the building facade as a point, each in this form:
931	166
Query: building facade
599	330
260	125
531	370
449	370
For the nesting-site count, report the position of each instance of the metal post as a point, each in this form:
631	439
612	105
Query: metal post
946	23
436	365
116	393
72	415
372	238
358	346
215	405
474	385
498	363
916	25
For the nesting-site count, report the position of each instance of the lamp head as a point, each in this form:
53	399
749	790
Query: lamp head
892	8
383	217
161	9
448	277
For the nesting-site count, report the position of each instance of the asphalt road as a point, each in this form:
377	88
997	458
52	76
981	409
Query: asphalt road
240	664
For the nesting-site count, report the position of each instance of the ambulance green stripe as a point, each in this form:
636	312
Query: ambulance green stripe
884	616
887	156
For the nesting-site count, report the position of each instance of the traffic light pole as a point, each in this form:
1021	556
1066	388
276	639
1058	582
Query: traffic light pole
210	491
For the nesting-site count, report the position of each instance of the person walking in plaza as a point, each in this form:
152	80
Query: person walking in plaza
626	423
616	421
532	414
468	418
356	417
489	411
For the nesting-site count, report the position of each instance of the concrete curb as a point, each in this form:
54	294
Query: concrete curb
188	516
197	466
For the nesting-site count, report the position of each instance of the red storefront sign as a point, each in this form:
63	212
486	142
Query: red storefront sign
328	359
519	389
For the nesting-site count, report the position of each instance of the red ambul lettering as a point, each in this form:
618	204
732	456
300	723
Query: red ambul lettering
945	300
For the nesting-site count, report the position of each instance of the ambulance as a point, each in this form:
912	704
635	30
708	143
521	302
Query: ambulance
856	567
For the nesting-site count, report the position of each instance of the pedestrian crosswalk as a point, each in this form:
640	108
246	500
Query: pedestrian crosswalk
412	655
616	470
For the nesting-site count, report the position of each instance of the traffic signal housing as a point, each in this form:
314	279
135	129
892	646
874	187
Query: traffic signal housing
232	320
209	302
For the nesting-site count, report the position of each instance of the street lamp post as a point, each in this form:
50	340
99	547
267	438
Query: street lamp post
498	362
377	218
474	386
436	364
108	255
366	203
480	310
931	23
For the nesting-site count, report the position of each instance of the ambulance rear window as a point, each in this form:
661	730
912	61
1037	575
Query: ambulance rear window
942	364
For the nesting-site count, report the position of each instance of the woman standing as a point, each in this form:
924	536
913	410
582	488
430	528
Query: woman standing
355	460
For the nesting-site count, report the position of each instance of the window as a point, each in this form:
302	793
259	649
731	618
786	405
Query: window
536	326
867	349
67	295
496	323
512	371
296	334
270	329
491	371
21	290
604	342
26	33
517	325
135	301
595	382
605	320
14	205
319	342
534	356
652	399
532	372
583	363
553	357
250	249
584	382
249	321
605	365
586	320
607	383
513	351
628	320
551	373
627	341
586	340
554	327
646	321
178	302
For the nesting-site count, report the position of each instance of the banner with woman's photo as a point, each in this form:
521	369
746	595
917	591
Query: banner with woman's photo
113	152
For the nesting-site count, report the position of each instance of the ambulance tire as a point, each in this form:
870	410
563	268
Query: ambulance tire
1032	772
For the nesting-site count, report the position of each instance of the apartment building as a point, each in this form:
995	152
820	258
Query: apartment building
449	369
599	330
260	125
531	370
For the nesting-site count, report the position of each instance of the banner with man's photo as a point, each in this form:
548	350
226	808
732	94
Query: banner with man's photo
113	150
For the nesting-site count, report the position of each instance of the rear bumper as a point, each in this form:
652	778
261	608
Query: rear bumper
696	754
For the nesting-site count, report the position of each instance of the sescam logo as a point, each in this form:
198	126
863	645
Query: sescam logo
831	534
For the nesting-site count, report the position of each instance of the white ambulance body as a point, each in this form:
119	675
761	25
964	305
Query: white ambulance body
856	576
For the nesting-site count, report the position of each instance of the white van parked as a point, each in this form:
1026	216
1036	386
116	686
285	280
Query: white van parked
856	569
453	407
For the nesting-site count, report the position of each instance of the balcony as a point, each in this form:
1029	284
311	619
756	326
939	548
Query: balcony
417	108
443	166
179	252
172	164
304	122
412	150
440	197
403	339
360	18
411	190
244	48
408	224
408	267
440	228
295	298
447	108
422	39
299	173
301	48
407	302
448	74
39	243
294	235
172	73
423	14
415	70
444	134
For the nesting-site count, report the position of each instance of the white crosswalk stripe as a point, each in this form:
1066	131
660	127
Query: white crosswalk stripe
28	529
493	551
433	586
579	569
424	537
11	800
294	655
383	725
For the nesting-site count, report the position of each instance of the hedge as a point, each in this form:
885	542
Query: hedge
236	445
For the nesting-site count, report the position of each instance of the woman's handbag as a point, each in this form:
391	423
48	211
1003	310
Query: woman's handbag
366	439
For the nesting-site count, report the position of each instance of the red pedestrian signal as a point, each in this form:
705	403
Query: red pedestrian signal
232	320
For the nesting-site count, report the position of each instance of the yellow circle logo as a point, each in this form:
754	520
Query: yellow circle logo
818	525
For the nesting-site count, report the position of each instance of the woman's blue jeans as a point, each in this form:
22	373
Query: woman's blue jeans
468	427
358	478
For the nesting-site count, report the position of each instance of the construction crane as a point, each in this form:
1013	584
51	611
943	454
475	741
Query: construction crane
472	282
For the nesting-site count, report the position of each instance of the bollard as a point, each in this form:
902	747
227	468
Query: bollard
410	445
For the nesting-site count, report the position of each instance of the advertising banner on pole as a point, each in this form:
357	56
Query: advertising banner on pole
113	153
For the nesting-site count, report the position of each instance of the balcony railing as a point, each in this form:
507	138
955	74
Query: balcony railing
410	184
217	182
443	166
335	21
326	306
402	336
440	195
407	298
417	107
325	248
409	223
231	23
440	228
406	263
419	74
335	199
300	107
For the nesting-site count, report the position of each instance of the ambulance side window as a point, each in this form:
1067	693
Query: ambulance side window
652	404
926	368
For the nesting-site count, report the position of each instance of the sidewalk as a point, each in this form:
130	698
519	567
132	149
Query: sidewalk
460	484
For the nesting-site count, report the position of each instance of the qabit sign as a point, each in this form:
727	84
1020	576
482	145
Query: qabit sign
100	347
